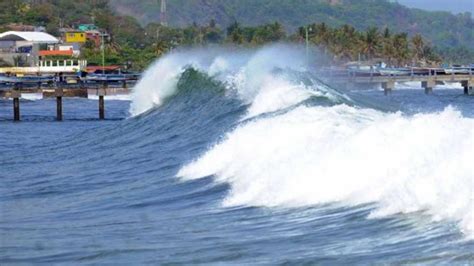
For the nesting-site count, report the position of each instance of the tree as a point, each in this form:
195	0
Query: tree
401	48
371	42
235	33
387	49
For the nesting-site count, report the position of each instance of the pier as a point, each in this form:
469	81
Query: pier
427	81
65	90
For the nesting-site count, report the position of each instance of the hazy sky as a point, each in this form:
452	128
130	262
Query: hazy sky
455	6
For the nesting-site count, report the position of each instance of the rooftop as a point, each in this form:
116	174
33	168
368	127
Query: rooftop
29	36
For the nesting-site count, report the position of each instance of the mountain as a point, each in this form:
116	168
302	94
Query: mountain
458	6
443	29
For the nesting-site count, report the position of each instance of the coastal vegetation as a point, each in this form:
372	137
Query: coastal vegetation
442	29
134	45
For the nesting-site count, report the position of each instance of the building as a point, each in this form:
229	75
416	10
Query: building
93	33
75	37
88	27
95	37
22	47
85	33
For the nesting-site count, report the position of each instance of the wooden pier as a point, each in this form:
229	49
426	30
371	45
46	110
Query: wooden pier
388	83
58	92
427	81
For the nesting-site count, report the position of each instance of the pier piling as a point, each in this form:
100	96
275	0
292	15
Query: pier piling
101	93
428	86
388	87
16	94
101	107
468	87
59	104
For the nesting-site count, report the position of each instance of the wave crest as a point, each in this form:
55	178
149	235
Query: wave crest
316	155
261	78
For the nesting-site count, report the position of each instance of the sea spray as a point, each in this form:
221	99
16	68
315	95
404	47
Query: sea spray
307	155
315	155
250	73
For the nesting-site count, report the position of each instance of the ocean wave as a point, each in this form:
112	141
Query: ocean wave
317	155
117	97
261	78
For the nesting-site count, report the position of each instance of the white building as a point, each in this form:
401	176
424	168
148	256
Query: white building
23	46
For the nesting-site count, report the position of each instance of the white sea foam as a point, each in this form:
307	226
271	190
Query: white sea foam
412	85
117	97
277	93
32	96
313	155
253	74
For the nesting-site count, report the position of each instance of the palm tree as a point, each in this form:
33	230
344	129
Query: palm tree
322	34
235	34
371	42
344	43
402	51
388	51
418	47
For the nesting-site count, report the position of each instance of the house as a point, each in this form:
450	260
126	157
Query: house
22	47
95	37
85	33
88	27
75	37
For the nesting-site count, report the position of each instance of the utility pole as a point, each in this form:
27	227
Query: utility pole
102	48
307	30
163	14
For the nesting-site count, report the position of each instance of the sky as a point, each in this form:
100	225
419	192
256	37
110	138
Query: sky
455	6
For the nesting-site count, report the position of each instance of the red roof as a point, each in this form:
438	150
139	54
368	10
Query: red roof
55	52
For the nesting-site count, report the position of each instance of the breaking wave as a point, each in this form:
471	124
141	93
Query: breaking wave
317	155
304	143
242	157
267	78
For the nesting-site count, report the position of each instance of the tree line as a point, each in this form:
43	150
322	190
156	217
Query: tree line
132	44
340	44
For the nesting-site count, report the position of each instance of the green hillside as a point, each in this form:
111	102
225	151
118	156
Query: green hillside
345	30
441	28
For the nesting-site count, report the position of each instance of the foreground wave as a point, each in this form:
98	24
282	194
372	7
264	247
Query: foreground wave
320	155
308	154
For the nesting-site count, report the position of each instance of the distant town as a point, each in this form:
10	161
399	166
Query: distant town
27	45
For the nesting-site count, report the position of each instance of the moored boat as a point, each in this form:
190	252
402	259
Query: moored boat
394	71
5	79
457	70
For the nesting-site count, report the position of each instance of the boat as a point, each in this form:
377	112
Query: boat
457	70
362	70
394	71
105	77
332	72
116	76
110	77
420	71
5	79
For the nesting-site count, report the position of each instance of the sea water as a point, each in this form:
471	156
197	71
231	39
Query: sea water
242	157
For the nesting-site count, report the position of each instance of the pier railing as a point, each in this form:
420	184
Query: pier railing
428	79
